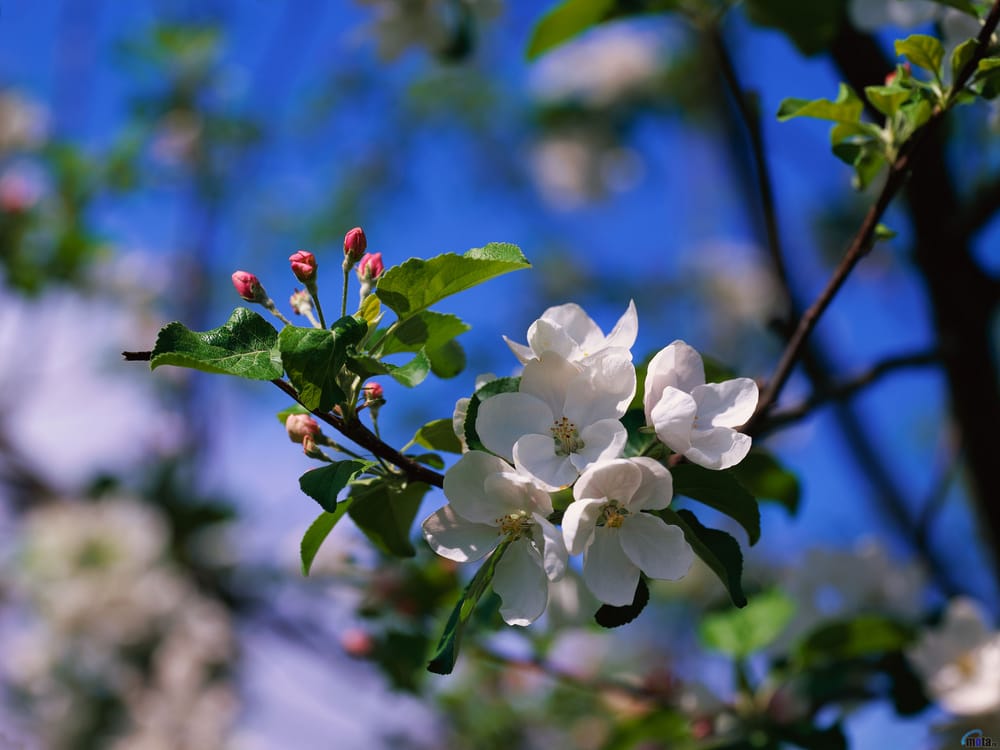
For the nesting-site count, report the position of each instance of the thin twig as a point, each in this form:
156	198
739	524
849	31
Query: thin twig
847	388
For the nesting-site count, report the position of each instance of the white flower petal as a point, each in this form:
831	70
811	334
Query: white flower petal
607	571
626	329
520	583
544	336
678	366
673	418
659	549
718	448
579	522
504	418
464	485
554	554
657	488
535	456
548	378
453	537
522	352
602	441
511	492
727	404
612	480
612	377
576	323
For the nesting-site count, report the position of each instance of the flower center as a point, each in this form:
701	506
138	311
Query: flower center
613	514
513	524
966	664
566	436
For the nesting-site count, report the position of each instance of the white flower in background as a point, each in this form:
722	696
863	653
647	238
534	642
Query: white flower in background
572	166
23	121
572	334
959	662
870	15
606	523
488	503
562	419
696	418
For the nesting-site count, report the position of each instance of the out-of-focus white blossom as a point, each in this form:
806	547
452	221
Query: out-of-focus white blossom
568	331
574	167
400	24
23	122
959	661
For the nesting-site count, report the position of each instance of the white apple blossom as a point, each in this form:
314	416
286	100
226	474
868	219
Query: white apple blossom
960	661
607	524
569	332
489	502
562	419
696	418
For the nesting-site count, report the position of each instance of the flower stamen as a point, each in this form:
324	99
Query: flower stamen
566	436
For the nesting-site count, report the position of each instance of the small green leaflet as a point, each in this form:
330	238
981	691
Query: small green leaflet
245	346
384	510
846	108
317	533
564	22
923	51
863	636
427	329
325	483
739	633
438	435
314	358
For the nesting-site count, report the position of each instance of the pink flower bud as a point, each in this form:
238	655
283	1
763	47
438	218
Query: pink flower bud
370	267
373	392
357	643
249	287
301	426
355	244
303	266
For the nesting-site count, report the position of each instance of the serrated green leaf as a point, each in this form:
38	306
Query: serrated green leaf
719	490
846	108
500	385
610	616
317	533
766	479
862	636
325	483
886	99
314	358
961	56
438	435
923	51
446	653
742	632
245	346
716	548
425	330
384	510
417	284
447	360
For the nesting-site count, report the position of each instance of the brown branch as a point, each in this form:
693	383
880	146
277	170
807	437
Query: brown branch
353	430
847	388
864	238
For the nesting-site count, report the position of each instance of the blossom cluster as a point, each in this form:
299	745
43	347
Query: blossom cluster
562	429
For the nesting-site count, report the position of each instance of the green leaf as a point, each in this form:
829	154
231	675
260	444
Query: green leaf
915	115
565	21
766	479
325	483
448	360
716	548
384	510
609	616
987	80
740	633
887	99
314	358
862	636
317	533
413	373
417	284
882	232
446	653
961	55
438	435
500	385
719	490
246	346
284	414
923	51
812	26
427	329
846	108
639	441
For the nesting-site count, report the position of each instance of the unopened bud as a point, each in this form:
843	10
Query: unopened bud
355	244
370	267
310	448
303	266
301	302
249	287
357	643
300	426
373	392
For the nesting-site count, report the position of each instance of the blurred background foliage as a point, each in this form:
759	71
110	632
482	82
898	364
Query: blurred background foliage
150	589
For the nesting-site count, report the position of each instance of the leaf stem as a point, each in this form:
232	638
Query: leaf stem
314	293
343	300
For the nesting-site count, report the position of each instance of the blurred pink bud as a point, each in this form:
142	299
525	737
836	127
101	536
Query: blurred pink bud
249	287
18	192
907	69
300	426
357	642
370	267
303	266
373	392
301	302
355	244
